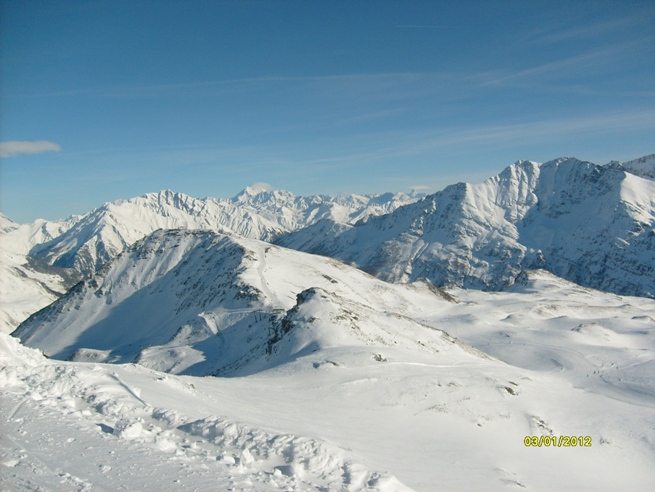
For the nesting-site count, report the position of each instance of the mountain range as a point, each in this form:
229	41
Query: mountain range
257	213
74	248
593	225
354	372
590	224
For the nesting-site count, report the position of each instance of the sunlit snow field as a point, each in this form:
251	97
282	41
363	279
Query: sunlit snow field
351	416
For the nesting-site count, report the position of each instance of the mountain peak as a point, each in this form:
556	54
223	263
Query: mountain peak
644	167
6	224
256	189
583	222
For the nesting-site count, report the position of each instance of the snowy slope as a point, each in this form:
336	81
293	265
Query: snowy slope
256	213
27	285
593	225
643	167
6	224
198	302
338	410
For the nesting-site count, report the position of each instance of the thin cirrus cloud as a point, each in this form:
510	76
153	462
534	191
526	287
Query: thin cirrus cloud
580	64
16	148
541	131
550	34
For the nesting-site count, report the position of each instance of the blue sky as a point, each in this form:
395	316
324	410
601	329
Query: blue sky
113	99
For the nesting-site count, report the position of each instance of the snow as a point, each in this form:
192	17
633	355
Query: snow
203	358
360	416
354	384
103	233
587	223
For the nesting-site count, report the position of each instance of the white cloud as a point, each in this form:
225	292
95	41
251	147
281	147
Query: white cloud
260	186
15	148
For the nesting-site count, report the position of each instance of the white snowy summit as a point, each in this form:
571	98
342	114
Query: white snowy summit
256	212
593	225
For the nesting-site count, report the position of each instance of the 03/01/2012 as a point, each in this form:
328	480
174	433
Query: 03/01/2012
558	442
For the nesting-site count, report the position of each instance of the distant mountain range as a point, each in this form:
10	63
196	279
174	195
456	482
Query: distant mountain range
104	232
593	225
71	249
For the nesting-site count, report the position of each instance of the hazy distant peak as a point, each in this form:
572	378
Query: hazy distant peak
256	189
166	196
6	224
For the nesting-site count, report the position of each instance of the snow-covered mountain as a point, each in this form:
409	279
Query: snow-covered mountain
26	284
256	213
346	382
41	260
198	302
349	382
644	167
593	225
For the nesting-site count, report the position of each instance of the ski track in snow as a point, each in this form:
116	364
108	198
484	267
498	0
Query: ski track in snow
261	270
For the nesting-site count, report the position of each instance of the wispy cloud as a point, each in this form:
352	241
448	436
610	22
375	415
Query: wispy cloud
569	67
531	132
604	29
16	148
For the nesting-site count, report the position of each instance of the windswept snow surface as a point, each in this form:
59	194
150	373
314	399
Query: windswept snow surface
338	381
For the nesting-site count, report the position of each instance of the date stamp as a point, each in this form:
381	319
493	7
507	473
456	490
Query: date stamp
558	441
